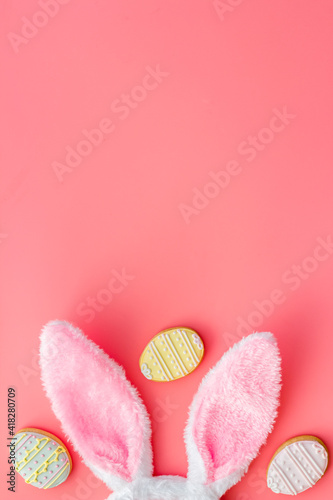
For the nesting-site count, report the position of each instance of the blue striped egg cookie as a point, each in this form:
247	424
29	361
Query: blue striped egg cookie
41	458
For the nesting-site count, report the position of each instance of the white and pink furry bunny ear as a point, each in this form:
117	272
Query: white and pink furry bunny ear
233	412
99	409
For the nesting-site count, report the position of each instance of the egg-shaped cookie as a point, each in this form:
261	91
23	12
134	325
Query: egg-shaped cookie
41	458
172	354
297	465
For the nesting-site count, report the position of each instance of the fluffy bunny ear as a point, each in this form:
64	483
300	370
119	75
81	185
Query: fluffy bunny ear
233	412
99	409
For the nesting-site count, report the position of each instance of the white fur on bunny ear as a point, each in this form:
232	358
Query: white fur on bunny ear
99	409
233	412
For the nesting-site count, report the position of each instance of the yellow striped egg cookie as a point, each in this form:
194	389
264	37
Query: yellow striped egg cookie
297	465
41	458
172	354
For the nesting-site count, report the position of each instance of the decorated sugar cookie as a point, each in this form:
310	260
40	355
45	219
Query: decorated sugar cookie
172	354
297	465
41	458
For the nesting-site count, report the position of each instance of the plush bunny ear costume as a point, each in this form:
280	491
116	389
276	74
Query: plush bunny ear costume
229	418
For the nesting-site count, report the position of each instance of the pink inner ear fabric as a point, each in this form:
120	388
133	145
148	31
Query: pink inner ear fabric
97	406
236	406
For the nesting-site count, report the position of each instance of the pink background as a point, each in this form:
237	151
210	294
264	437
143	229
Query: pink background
120	208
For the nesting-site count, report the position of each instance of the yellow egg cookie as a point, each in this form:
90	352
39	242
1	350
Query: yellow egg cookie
172	354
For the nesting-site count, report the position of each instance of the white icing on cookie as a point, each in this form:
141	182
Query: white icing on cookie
197	341
146	372
299	464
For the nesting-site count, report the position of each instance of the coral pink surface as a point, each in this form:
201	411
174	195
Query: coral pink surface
168	163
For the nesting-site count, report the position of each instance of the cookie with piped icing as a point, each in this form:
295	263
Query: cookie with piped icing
41	458
172	354
297	465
